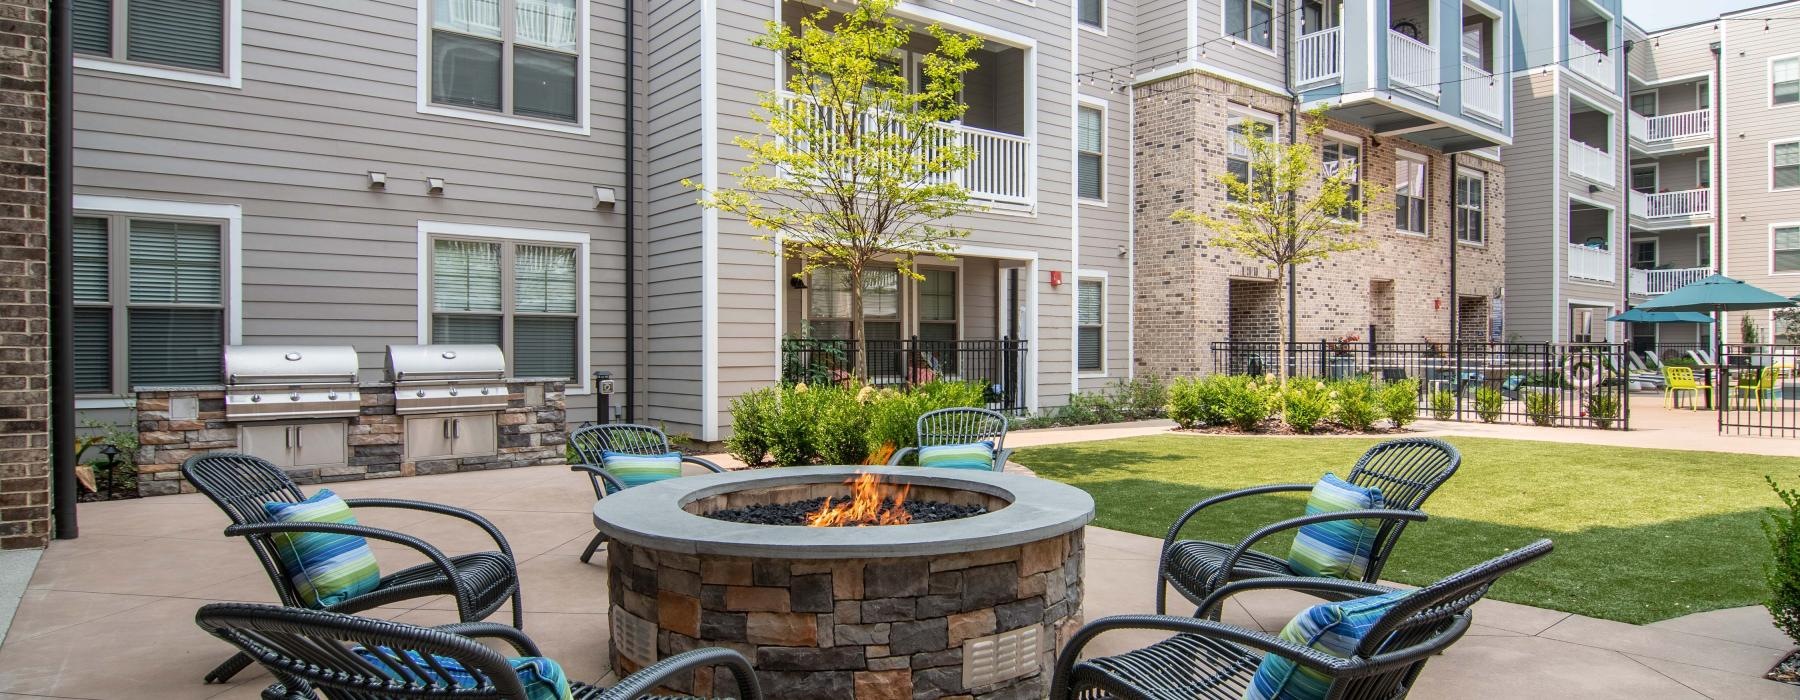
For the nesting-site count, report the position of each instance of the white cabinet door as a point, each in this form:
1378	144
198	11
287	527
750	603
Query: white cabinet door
273	442
319	444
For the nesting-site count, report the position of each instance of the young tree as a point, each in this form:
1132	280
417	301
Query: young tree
1292	210
854	166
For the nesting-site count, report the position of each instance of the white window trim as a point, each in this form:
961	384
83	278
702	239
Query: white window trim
583	110
1770	163
1655	245
1100	28
1481	176
1655	100
1770	81
1401	154
1105	153
1655	170
232	77
1274	26
427	229
912	304
1771	248
1105	323
1343	139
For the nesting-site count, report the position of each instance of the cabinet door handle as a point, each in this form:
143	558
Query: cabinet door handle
287	437
456	427
446	428
300	436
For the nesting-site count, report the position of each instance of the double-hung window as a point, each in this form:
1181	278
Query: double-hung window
1237	150
1471	203
1784	81
1703	171
1644	103
149	302
187	35
519	58
1251	21
1091	12
1341	156
522	296
1090	137
1090	320
1784	165
1409	194
1785	248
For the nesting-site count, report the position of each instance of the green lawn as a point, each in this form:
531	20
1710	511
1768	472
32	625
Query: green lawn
1641	535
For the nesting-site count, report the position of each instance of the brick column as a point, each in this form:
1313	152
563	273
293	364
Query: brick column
24	276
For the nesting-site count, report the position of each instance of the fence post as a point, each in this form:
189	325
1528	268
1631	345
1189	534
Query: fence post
1456	378
1323	373
1623	367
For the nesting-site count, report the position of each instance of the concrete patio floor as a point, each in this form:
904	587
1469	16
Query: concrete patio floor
110	615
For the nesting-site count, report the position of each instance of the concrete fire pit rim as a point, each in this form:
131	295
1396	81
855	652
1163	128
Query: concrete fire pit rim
651	516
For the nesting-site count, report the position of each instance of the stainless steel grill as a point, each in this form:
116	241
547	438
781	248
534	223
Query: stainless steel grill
439	378
273	382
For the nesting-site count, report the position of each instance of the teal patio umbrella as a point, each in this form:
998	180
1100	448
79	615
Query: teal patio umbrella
1639	315
1714	295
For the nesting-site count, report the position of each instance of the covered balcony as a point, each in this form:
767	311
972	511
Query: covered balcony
1670	192
1590	246
1664	261
1590	47
1671	116
1590	144
1412	48
1483	93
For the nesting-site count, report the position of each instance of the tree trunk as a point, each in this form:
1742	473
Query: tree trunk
859	351
1281	329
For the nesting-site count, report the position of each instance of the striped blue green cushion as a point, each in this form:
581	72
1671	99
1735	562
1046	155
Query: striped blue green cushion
971	455
1334	628
543	678
326	568
637	470
1337	548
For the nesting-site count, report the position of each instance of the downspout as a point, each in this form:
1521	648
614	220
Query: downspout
631	261
62	270
1455	295
1716	163
1625	253
1293	129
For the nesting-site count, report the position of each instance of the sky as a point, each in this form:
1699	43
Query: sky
1659	14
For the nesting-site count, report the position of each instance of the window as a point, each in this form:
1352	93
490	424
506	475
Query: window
511	57
1237	150
1644	103
188	35
937	305
1702	96
1251	21
1475	42
828	304
1339	155
1703	171
1784	162
522	296
1643	255
1409	194
1471	201
1784	80
1643	178
1091	152
1091	12
149	302
1090	320
1786	248
1703	249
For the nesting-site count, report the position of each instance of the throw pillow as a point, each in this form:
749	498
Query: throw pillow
325	568
1333	628
637	470
973	455
1336	548
543	678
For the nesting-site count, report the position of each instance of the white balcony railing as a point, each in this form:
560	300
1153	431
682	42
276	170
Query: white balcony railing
1655	282
1591	163
1481	92
1671	127
1000	169
1591	64
1412	63
1590	263
1319	56
1667	205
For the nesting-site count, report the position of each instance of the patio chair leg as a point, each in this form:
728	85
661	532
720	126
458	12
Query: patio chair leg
225	671
593	544
518	609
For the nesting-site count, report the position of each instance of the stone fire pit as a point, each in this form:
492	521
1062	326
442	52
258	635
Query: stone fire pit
969	608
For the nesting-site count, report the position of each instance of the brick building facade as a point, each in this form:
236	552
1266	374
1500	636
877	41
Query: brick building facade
1190	294
24	275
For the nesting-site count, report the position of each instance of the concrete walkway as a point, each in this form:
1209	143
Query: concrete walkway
110	615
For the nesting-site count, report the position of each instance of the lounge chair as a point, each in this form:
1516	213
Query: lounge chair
593	441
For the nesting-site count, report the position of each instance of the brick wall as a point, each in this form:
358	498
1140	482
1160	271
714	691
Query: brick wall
1190	294
24	276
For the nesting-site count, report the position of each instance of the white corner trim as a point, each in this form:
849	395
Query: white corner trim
231	214
583	269
583	80
233	77
1075	197
709	221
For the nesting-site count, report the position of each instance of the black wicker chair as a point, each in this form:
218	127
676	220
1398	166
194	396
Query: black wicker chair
310	652
240	484
958	426
1407	471
1209	659
591	440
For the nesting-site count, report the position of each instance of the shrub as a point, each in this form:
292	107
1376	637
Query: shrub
1245	402
1187	404
893	415
1542	408
790	432
751	413
1783	571
1487	403
1602	408
840	428
1400	401
1304	404
1443	404
1140	398
1356	407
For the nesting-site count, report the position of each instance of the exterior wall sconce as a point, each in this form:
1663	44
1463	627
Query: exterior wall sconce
434	185
604	198
1593	189
377	180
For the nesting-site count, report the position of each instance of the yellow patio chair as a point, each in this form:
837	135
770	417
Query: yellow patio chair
1764	386
1680	379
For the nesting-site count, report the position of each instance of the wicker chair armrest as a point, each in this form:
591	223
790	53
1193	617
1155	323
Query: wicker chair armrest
492	630
641	683
1311	584
1293	523
440	509
1001	457
1181	522
714	468
1304	656
437	557
598	472
900	454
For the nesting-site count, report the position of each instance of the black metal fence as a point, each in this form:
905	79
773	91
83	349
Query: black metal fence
1755	389
998	365
1552	384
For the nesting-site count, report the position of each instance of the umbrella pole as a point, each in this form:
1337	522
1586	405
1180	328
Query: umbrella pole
1718	388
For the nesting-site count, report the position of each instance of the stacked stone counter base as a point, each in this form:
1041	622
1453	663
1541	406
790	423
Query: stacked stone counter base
981	625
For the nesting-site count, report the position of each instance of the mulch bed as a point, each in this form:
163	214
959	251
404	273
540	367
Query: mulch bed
1274	426
1788	671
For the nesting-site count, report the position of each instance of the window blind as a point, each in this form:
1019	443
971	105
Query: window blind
175	262
175	346
93	350
545	346
1787	249
92	267
937	296
828	294
92	26
465	275
1090	334
185	33
1785	74
1090	164
881	293
545	278
1787	165
465	330
1091	12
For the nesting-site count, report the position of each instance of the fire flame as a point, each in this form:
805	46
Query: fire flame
866	506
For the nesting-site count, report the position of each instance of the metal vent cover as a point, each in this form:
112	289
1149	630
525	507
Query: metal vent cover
1002	657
